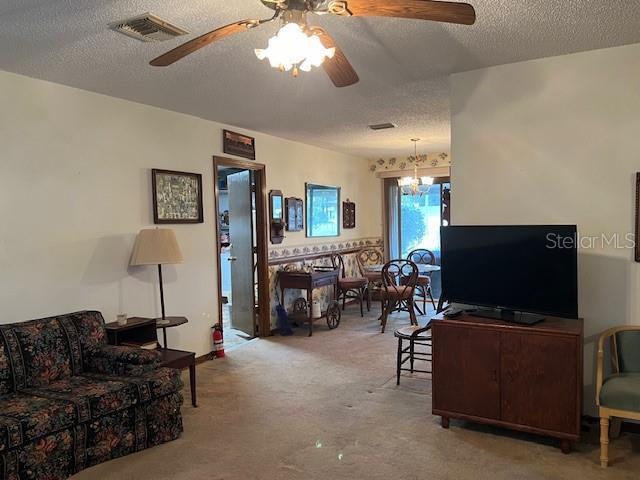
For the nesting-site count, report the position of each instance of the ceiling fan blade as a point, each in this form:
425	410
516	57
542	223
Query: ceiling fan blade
450	12
202	41
338	68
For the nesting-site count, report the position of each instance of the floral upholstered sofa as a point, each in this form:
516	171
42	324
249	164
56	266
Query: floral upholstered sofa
69	401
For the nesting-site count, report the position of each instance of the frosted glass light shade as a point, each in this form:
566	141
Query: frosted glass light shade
157	246
292	47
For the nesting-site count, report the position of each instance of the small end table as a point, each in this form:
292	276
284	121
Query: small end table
140	330
180	360
169	322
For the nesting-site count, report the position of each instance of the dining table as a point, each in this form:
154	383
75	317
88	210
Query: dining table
423	268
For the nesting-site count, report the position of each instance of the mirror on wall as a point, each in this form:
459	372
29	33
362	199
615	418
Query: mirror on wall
323	210
276	212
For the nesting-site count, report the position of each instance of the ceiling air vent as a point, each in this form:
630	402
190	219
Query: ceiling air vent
382	126
148	28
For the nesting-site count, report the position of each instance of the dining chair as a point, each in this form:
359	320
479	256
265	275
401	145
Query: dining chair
349	287
366	258
618	395
422	256
417	337
399	279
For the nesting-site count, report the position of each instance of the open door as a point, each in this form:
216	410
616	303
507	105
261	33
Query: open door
241	257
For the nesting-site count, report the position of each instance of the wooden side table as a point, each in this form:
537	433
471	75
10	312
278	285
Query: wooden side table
141	331
169	322
180	360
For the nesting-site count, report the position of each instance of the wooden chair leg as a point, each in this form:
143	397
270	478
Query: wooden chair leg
389	308
412	312
424	300
399	361
411	351
368	298
604	441
361	300
433	302
344	299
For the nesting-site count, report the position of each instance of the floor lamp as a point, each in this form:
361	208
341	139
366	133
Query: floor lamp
157	247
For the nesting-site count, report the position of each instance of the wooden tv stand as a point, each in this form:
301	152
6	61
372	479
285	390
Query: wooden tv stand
526	378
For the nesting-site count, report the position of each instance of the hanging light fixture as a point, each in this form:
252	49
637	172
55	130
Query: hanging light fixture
292	48
415	185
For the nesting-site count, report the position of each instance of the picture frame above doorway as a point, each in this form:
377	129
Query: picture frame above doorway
177	197
239	145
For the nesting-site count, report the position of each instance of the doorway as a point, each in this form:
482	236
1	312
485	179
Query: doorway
414	221
243	288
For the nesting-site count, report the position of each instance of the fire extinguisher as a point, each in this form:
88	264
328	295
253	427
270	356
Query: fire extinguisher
218	341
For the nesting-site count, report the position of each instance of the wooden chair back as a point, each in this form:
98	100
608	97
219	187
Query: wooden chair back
369	256
337	260
399	275
422	256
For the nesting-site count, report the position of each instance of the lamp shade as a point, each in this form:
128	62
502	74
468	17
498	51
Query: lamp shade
156	246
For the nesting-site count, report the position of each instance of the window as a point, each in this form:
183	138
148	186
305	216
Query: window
323	211
414	221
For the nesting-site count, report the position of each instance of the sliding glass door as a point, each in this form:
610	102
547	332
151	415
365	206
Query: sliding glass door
414	221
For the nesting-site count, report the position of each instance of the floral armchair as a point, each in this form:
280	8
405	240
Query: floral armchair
69	401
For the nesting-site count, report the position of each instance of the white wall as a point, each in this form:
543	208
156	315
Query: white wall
557	140
75	189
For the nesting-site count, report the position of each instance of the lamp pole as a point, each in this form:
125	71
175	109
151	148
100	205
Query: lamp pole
161	291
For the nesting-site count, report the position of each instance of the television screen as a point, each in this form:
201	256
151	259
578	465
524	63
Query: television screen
521	268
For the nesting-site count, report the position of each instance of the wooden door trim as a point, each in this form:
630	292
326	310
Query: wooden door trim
264	301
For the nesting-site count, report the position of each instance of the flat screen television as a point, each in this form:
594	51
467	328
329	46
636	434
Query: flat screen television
522	269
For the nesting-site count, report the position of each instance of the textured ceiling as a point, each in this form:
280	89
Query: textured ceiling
403	64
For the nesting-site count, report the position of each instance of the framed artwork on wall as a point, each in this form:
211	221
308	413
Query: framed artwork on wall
323	211
637	225
295	214
239	145
348	214
177	197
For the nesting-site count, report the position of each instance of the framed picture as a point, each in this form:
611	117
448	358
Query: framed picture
295	214
239	145
323	211
637	226
177	197
348	214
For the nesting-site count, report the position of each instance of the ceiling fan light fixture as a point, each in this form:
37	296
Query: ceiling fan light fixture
293	48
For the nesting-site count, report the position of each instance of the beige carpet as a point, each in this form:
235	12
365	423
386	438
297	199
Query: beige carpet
327	407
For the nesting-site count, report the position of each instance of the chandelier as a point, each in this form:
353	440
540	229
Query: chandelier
416	186
292	48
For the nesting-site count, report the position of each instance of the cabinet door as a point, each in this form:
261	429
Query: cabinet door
539	381
466	365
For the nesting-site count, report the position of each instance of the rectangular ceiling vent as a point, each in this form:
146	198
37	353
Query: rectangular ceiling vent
382	126
148	28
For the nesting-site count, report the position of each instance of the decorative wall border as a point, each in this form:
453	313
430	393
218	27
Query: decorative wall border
429	160
279	255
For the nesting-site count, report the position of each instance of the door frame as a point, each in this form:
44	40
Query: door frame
262	245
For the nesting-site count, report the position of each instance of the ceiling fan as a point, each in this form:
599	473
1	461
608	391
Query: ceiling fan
298	46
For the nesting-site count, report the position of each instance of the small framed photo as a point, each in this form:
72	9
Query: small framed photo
348	214
295	214
239	145
177	197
